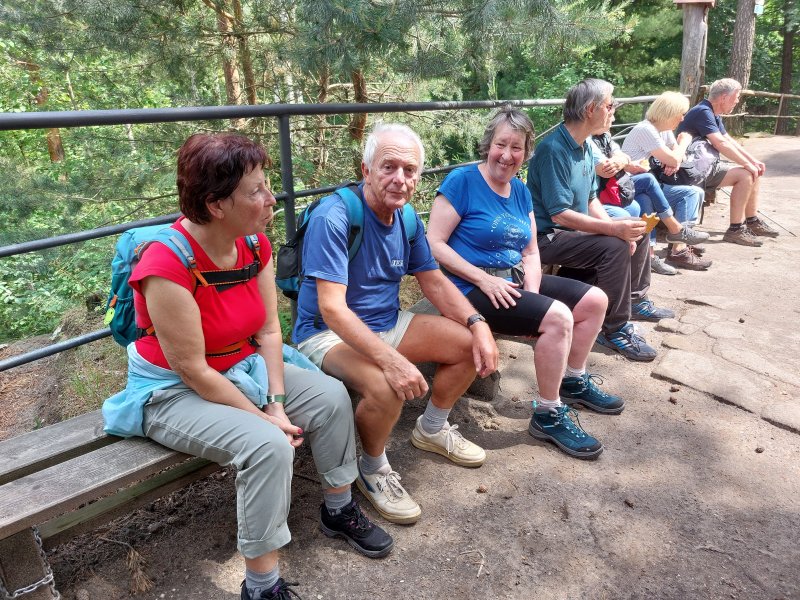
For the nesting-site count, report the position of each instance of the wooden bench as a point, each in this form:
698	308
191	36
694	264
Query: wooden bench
67	478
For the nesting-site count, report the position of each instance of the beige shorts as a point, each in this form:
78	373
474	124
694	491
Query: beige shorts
317	346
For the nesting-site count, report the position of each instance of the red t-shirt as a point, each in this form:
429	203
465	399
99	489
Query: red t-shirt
227	317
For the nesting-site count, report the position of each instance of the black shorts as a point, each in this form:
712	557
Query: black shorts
525	318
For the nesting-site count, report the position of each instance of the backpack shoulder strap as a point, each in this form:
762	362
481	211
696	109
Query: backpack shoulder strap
255	246
355	216
410	222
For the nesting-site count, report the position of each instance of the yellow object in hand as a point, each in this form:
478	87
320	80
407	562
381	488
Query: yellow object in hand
651	220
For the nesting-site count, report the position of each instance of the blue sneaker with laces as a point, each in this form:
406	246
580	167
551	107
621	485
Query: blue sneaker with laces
556	425
645	310
628	343
583	390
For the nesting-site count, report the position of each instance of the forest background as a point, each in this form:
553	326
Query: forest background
60	55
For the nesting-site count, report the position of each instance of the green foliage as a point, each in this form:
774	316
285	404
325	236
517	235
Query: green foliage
90	54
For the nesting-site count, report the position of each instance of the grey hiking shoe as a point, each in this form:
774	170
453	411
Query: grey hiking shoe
687	236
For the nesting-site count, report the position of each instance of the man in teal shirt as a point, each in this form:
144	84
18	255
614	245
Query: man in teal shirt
575	232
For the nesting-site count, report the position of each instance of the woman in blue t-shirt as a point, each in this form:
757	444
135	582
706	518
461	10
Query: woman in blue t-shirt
483	233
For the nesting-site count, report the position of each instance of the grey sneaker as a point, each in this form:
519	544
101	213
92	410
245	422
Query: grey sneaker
687	236
742	236
657	265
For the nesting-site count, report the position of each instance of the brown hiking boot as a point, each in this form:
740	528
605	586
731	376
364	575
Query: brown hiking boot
686	259
759	227
742	236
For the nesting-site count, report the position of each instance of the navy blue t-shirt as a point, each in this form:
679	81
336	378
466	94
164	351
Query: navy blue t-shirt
372	277
701	121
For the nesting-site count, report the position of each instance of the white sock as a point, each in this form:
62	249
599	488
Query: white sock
570	372
538	401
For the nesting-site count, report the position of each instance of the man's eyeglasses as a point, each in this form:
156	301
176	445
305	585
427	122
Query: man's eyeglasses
614	105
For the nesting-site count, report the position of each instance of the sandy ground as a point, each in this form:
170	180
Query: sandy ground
695	496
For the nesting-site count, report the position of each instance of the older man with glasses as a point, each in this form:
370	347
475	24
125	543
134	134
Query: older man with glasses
576	233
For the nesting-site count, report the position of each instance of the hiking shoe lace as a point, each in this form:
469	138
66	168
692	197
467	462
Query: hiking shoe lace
628	343
280	591
352	525
584	391
556	425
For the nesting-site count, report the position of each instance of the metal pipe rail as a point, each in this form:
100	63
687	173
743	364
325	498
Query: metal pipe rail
283	112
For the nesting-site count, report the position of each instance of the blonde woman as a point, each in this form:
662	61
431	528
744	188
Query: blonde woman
654	137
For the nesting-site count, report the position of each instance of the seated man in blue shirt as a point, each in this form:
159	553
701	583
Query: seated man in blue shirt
349	321
703	120
575	232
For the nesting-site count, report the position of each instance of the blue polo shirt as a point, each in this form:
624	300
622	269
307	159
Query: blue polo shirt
701	121
560	177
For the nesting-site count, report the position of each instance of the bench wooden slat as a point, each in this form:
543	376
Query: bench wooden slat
53	444
40	496
86	518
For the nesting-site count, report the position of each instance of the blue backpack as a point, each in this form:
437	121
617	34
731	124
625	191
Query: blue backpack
120	313
289	261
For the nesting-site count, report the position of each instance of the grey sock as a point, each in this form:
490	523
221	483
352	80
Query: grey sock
434	418
335	502
258	582
372	464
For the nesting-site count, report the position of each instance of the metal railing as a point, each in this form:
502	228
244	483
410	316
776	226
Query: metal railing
281	112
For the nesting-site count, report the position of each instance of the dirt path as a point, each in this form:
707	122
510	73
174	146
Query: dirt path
695	496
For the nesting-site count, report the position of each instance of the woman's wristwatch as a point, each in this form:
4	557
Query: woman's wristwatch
474	319
276	398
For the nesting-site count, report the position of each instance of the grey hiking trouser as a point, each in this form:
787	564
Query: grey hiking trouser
624	278
320	405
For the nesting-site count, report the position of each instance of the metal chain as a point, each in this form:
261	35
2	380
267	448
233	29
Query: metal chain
46	580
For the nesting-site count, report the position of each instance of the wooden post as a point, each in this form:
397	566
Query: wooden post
695	37
780	112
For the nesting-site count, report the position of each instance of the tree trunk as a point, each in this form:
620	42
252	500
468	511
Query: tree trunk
744	32
321	158
358	121
244	54
55	148
693	56
787	66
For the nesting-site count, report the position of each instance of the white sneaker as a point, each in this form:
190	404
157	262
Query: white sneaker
388	497
449	443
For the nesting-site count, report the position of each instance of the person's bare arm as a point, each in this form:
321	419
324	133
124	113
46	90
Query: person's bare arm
628	230
731	149
452	304
176	318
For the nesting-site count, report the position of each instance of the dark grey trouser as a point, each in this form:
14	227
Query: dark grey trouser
624	278
180	419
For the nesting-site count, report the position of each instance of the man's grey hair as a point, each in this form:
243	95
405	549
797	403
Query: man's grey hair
381	129
582	95
517	120
723	87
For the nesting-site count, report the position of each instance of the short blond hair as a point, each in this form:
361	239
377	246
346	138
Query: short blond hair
666	107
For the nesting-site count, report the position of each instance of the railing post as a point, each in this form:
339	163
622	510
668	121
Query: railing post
780	112
287	174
